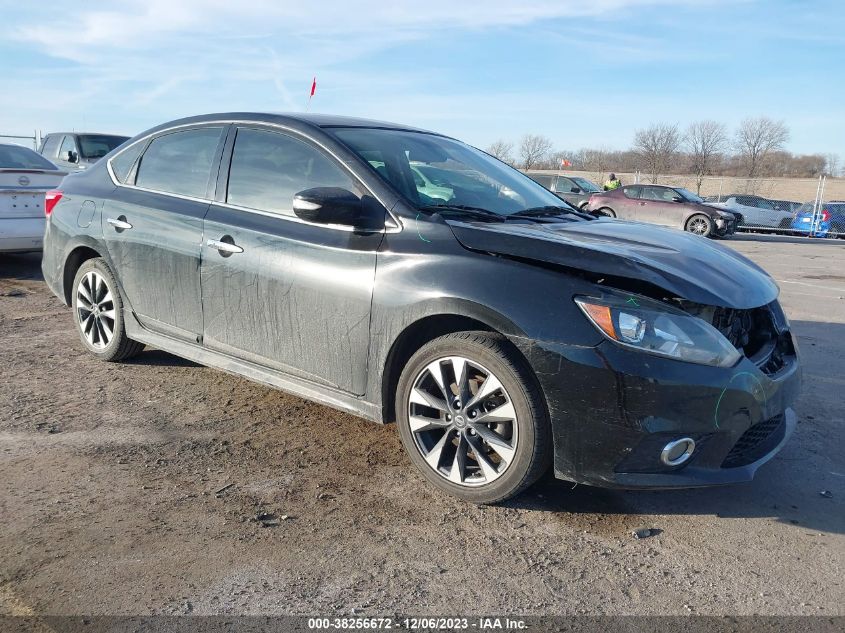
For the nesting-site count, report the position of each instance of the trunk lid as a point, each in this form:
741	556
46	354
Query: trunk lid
22	191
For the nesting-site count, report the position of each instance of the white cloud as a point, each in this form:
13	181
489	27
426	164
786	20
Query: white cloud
146	24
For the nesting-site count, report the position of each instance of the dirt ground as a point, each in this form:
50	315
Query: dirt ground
135	489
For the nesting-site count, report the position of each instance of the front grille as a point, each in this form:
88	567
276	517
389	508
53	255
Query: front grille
756	442
758	333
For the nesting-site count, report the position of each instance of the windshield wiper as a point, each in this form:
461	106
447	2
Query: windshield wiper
548	210
478	212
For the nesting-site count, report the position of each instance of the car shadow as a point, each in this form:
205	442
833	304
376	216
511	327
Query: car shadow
23	266
157	358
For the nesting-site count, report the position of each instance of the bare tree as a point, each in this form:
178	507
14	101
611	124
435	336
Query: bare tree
533	149
756	139
832	163
501	149
705	141
656	145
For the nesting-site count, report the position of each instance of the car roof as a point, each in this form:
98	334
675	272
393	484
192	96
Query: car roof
295	119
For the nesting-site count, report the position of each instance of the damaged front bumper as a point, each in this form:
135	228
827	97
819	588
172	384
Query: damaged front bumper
613	410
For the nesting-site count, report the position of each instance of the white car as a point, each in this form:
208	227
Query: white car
757	212
25	178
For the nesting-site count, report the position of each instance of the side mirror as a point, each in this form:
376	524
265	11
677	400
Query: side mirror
334	205
575	190
72	157
677	199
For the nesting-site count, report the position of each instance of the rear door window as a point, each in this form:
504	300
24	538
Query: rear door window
180	162
269	168
632	192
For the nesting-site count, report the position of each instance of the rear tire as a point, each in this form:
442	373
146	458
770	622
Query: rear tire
472	417
98	313
699	224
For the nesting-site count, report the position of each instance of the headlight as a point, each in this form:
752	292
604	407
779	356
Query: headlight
656	328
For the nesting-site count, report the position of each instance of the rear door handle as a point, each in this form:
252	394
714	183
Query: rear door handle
119	223
225	247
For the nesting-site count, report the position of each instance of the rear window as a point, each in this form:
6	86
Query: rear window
180	162
16	157
98	145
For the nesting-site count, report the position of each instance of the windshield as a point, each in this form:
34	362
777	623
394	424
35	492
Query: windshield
98	145
689	195
15	157
430	170
586	185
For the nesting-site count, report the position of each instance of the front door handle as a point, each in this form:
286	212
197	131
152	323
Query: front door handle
225	248
119	223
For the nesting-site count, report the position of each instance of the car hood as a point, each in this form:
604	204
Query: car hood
689	266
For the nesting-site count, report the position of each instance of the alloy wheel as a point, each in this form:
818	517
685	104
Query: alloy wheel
699	226
463	421
95	310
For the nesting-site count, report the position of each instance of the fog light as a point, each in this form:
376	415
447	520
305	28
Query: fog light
677	452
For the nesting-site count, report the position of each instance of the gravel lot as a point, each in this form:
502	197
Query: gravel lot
110	473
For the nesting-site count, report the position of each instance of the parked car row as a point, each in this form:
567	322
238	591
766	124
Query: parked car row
711	216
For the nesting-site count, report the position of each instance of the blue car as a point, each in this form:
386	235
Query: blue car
829	221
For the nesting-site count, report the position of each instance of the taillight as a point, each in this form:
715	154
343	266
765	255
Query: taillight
51	199
825	215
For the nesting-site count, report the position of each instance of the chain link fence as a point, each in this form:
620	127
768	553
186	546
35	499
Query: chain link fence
810	207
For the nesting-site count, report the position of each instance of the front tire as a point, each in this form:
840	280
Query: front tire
607	211
699	224
98	313
472	417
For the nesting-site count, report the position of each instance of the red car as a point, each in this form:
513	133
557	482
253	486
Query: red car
669	206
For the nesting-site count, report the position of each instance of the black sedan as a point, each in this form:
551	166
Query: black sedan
504	332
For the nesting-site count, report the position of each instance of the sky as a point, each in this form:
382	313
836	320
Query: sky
585	73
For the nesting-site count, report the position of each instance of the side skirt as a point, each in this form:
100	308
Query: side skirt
217	360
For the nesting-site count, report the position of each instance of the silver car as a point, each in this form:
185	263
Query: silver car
25	178
758	212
